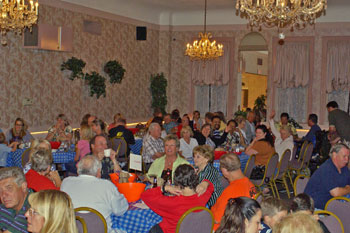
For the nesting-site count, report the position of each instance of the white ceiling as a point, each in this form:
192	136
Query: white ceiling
190	12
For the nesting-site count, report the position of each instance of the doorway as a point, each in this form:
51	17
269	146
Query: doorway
252	73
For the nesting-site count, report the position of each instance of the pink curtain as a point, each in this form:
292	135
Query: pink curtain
291	65
338	65
213	72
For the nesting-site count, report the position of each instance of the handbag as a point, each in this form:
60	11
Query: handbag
258	172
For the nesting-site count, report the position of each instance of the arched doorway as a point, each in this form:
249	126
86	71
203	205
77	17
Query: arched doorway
252	73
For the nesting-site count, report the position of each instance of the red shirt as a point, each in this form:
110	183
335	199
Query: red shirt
171	208
38	182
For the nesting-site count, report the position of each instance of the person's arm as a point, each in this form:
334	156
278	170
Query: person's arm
77	154
118	202
250	149
222	139
205	187
116	166
13	146
55	178
340	191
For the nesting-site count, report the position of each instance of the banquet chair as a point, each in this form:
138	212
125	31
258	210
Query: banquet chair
120	147
341	207
95	222
297	165
331	221
249	166
25	157
197	219
281	174
259	197
300	184
81	224
270	169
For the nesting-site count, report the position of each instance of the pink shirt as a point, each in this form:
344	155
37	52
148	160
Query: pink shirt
84	147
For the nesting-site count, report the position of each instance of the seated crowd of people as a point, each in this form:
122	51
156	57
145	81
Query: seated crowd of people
179	153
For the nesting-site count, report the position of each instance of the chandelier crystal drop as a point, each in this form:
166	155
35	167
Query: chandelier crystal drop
17	15
281	13
204	49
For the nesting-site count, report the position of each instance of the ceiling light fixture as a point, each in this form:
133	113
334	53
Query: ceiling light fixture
281	13
16	15
204	49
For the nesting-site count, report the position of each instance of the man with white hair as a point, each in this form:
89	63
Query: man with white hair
332	179
153	146
14	199
250	127
88	190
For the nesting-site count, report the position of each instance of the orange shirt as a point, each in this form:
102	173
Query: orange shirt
237	188
265	151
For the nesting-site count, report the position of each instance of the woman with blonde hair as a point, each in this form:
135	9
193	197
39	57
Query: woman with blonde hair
187	143
51	212
83	145
19	133
297	223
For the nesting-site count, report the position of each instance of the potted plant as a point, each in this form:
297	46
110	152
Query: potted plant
74	65
158	91
115	71
96	83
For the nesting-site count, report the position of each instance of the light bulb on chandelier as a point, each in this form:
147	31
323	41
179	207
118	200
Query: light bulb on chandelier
17	15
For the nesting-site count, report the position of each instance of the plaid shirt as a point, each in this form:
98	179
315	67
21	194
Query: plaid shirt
150	147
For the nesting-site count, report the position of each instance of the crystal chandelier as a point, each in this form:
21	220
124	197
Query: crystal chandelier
16	15
280	13
204	49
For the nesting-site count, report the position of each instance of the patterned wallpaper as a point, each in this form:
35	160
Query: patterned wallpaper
36	74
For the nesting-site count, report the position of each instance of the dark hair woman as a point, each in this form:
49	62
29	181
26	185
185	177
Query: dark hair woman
242	215
261	146
19	132
183	196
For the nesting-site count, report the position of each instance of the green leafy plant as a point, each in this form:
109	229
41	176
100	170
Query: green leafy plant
115	71
76	66
260	103
96	83
241	113
158	91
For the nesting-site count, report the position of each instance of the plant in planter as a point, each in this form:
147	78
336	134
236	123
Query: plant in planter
115	71
96	83
158	91
76	66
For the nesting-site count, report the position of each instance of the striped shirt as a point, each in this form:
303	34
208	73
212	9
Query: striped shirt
12	221
212	174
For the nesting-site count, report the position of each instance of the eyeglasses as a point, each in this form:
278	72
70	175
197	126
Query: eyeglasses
32	212
19	125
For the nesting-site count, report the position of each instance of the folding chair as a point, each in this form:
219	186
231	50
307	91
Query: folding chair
281	173
197	219
95	222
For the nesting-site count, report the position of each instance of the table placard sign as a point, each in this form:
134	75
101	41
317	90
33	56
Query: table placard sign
135	162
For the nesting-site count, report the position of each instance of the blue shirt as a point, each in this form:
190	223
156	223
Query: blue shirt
169	126
265	228
311	135
324	180
4	151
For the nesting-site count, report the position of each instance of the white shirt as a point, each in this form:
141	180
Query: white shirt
281	145
99	194
250	131
187	149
